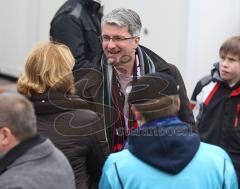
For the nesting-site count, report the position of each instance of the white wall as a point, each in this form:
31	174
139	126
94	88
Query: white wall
17	33
23	24
187	33
210	23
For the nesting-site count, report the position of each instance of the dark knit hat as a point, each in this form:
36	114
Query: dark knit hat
152	86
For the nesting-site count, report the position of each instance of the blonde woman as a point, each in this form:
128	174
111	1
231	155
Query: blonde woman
62	116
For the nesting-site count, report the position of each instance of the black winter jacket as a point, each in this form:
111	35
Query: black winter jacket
91	83
77	25
76	131
216	107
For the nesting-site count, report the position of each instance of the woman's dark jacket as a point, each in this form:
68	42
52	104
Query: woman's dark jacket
76	131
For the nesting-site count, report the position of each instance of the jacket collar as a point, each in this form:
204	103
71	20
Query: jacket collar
216	77
54	102
161	64
168	145
13	156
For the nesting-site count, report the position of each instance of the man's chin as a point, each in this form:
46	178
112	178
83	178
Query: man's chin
112	60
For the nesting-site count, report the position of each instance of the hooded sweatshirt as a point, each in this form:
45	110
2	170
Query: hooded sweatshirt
166	154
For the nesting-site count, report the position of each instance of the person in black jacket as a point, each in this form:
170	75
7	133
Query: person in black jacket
216	102
62	116
122	63
77	25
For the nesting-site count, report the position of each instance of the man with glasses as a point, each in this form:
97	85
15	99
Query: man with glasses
122	63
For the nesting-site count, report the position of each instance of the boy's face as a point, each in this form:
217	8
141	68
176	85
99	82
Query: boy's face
230	68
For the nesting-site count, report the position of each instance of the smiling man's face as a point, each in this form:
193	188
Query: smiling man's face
118	45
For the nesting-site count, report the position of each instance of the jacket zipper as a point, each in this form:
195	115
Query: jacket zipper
237	116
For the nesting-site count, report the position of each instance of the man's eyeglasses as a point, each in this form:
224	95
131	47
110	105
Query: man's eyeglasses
116	39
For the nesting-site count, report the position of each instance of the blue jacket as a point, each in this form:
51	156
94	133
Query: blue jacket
165	159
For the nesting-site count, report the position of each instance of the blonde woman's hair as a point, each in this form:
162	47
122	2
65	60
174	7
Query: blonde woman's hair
49	66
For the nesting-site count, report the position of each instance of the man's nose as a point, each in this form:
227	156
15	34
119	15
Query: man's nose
111	44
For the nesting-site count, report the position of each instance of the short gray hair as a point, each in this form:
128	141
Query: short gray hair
17	114
124	18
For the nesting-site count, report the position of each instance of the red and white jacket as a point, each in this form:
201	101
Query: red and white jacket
216	109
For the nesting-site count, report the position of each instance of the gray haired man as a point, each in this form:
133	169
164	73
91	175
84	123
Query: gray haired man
28	160
122	63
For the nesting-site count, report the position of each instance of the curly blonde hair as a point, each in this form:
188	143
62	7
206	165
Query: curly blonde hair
49	66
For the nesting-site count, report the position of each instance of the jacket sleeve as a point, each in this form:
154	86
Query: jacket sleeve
185	113
96	158
194	94
231	181
197	98
105	182
109	179
69	31
195	106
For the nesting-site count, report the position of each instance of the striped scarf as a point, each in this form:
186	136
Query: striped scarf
116	131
